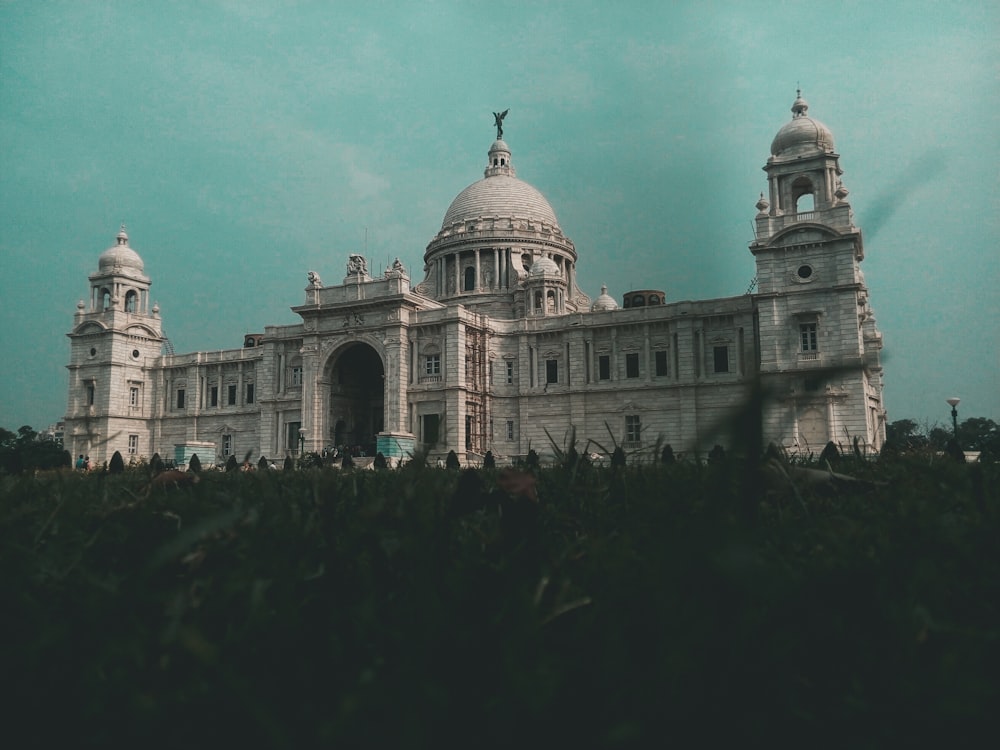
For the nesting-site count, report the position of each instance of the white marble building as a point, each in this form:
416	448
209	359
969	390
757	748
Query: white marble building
497	348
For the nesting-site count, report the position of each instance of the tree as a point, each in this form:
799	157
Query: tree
905	434
194	465
980	434
117	464
451	461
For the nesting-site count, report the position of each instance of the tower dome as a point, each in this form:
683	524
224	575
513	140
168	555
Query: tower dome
120	256
803	135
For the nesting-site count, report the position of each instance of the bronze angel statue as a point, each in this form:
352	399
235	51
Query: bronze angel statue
498	120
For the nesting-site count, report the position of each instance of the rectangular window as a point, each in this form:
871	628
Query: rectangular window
661	363
293	439
432	364
250	393
231	395
604	367
227	446
633	431
213	396
90	394
510	430
632	365
296	376
721	356
807	334
133	396
133	445
510	372
551	371
180	398
432	424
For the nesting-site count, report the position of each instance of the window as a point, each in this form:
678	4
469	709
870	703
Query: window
250	393
431	428
661	363
297	375
133	396
633	431
180	398
510	372
90	394
227	446
292	437
632	365
231	395
133	444
807	335
470	279
130	301
432	364
604	367
510	430
213	396
721	356
551	371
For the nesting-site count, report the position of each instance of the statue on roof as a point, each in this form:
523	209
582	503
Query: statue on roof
498	121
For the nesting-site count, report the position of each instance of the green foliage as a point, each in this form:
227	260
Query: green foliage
117	464
194	464
420	607
27	451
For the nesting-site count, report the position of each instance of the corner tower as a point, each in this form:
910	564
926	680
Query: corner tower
819	344
115	341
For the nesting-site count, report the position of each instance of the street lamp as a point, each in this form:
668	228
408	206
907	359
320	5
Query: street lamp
302	441
953	403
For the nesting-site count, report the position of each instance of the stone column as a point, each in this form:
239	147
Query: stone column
479	279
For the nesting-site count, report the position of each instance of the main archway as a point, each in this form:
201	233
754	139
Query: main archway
356	411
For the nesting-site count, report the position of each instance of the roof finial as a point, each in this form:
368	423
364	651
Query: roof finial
498	121
122	236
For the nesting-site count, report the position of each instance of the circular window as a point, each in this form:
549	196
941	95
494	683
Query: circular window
93	351
805	272
135	354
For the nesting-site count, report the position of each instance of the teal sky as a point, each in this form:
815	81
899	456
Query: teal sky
244	143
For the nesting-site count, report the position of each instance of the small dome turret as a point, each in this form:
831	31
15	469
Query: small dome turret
120	256
542	267
803	135
604	301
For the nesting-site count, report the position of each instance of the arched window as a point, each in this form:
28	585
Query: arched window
654	299
638	301
470	279
105	299
131	300
550	301
538	301
802	195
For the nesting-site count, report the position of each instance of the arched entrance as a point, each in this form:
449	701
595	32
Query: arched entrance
357	398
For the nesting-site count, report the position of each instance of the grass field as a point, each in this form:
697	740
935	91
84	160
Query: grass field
656	605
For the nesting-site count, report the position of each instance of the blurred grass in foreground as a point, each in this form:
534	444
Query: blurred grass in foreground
414	607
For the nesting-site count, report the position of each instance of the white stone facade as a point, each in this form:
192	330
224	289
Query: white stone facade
498	349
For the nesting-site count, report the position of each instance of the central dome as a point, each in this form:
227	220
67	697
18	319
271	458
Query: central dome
500	195
503	196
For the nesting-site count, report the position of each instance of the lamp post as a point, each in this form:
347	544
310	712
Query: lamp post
302	442
953	403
